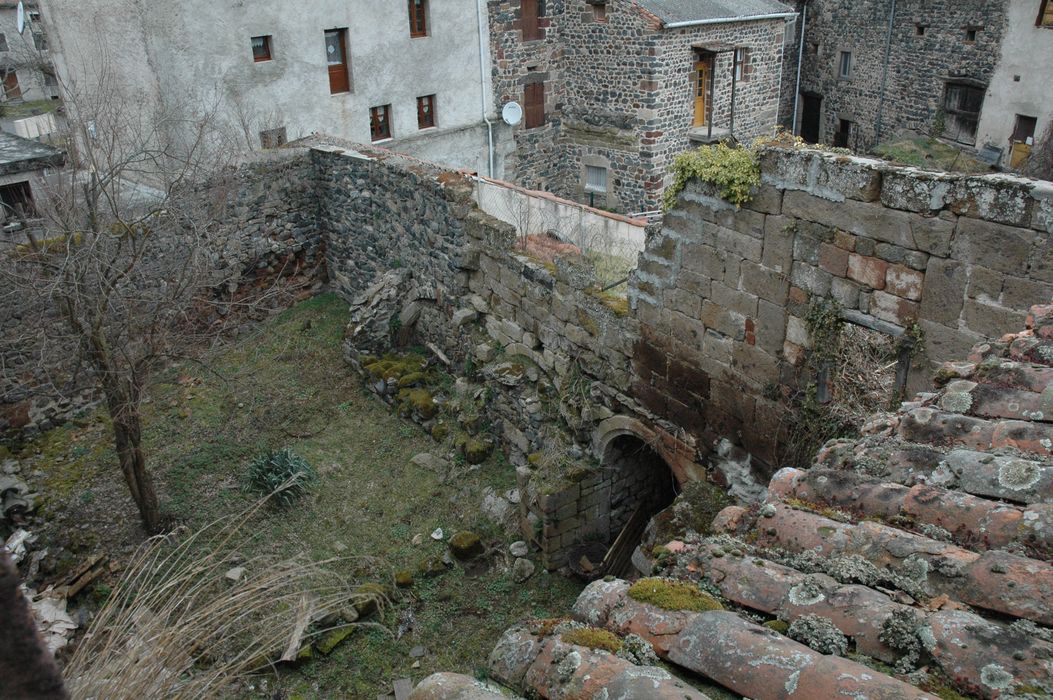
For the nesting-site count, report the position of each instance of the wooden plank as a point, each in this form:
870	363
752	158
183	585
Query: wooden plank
620	553
403	687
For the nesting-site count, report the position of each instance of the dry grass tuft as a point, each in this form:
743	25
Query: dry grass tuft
176	626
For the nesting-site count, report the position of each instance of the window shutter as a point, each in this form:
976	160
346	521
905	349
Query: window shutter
534	102
529	17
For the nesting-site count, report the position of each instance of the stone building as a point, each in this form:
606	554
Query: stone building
415	77
25	62
971	72
613	90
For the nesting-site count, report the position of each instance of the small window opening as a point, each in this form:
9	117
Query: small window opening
261	48
534	105
919	29
418	18
971	33
844	131
961	105
380	122
426	112
599	10
595	179
16	200
530	14
845	65
742	64
273	138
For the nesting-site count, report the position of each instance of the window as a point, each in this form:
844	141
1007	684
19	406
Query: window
742	64
12	90
599	10
40	41
380	122
336	58
534	101
51	85
16	200
971	34
418	18
844	130
844	69
961	106
530	12
595	179
261	48
426	112
790	31
1045	15
919	30
273	138
3	42
1024	130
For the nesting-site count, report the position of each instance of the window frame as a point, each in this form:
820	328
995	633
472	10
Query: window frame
534	105
741	59
267	46
844	68
426	117
972	34
343	67
25	208
418	18
599	10
1045	15
958	116
589	188
376	133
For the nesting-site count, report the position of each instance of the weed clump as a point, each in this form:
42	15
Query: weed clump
673	595
735	171
284	473
593	638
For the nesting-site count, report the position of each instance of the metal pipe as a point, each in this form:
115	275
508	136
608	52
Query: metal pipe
482	87
711	75
800	60
884	73
724	20
734	76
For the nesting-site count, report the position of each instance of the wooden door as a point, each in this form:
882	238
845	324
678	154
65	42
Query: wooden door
811	112
701	92
336	58
12	91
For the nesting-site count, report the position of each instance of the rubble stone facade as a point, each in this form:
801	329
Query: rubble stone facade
619	94
930	45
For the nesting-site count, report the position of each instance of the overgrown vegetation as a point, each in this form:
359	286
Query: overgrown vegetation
673	595
283	472
734	171
932	154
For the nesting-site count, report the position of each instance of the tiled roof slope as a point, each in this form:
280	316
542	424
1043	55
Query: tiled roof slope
912	562
672	11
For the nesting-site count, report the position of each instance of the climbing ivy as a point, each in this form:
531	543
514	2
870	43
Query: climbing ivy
735	171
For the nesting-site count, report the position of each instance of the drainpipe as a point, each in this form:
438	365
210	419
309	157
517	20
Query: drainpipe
734	75
800	60
884	73
479	13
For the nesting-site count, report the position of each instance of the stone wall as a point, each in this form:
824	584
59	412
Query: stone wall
919	64
721	293
618	94
266	213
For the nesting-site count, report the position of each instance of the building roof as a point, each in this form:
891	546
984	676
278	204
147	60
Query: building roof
676	12
19	155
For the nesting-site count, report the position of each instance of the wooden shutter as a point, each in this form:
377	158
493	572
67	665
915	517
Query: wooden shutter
534	104
336	57
1045	14
530	18
418	17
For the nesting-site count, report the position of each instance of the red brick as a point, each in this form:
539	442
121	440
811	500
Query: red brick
833	259
867	270
904	282
893	309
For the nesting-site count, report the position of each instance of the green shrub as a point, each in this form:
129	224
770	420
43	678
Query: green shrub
272	470
734	171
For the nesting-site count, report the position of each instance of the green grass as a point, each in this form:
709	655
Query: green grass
932	154
29	109
286	385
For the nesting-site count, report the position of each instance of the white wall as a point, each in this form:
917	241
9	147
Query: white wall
22	50
532	212
1027	51
198	52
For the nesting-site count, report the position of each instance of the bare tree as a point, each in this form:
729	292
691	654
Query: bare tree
124	256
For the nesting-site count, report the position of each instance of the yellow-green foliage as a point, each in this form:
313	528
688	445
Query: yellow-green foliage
673	595
593	638
396	366
735	171
779	626
420	400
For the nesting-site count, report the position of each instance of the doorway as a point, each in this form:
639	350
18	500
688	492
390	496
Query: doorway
701	89
811	114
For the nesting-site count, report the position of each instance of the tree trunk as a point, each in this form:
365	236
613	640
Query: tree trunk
127	438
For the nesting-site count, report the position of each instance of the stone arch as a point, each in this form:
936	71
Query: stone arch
678	454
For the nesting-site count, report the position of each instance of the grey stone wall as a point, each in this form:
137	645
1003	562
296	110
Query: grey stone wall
619	94
918	66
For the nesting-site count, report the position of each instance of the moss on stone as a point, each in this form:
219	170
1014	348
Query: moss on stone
466	545
369	597
412	379
593	638
780	626
476	450
432	567
330	640
420	401
395	366
673	595
440	431
404	578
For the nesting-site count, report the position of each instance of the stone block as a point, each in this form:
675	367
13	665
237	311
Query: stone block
739	244
904	282
765	199
858	218
890	253
1041	257
703	259
778	244
757	366
943	291
770	327
732	266
1001	248
867	270
893	309
996	198
833	178
845	292
833	259
991	320
1018	293
933	235
1042	214
738	301
765	283
723	320
687	330
683	301
985	284
797	332
718	347
811	278
844	241
806	248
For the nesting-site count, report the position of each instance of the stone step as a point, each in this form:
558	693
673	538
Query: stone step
547	667
970	521
993	580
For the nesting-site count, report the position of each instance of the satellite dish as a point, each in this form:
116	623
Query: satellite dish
512	113
20	18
